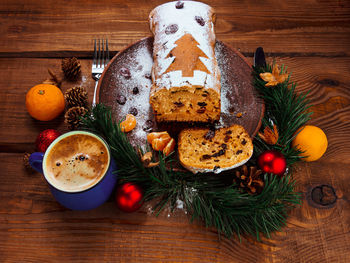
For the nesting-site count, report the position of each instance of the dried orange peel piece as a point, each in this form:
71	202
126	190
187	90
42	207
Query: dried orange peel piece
128	124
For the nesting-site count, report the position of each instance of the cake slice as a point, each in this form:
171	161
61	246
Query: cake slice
206	150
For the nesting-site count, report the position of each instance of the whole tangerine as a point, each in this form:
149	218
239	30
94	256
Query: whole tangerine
312	141
45	102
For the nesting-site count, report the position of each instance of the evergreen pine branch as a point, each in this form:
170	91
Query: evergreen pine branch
211	198
285	108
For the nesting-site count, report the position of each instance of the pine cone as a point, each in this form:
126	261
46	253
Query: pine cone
71	68
76	96
72	116
26	162
250	181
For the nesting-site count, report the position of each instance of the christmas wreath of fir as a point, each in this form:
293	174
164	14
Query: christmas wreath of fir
243	201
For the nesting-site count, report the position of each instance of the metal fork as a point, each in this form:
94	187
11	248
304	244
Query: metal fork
100	60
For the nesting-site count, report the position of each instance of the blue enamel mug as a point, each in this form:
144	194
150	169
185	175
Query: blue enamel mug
80	186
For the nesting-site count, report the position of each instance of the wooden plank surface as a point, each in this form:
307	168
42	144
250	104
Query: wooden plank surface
311	27
36	228
311	37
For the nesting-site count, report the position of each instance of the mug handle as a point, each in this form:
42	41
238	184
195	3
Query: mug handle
36	161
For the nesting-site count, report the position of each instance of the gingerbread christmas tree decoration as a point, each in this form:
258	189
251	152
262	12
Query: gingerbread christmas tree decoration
187	60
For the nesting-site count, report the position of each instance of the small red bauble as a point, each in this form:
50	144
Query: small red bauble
45	138
272	161
129	197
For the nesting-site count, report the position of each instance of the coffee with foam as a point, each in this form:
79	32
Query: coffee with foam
76	162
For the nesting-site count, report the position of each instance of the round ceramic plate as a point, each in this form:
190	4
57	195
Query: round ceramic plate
125	86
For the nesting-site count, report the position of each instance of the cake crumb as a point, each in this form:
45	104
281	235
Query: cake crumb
239	114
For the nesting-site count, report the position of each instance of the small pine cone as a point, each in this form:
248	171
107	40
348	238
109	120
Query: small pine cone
71	68
76	96
26	162
72	116
250	181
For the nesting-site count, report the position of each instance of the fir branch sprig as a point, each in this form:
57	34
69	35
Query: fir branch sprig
214	199
283	107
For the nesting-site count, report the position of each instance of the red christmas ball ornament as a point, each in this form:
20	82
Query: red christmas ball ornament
45	138
129	197
272	161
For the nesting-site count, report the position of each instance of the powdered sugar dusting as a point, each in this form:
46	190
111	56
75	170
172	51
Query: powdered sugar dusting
233	86
135	89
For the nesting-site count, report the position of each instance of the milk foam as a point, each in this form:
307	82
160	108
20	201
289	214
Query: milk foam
76	162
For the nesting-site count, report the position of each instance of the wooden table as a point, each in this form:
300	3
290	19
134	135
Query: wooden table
311	37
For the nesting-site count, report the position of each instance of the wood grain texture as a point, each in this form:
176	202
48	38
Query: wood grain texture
34	227
309	27
311	37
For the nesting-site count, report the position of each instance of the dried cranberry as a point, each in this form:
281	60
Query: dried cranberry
227	138
201	110
121	99
135	90
179	104
148	76
179	5
206	157
125	73
133	111
202	104
148	126
200	20
219	153
210	134
172	29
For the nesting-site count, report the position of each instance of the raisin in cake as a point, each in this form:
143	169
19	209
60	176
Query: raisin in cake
185	74
204	150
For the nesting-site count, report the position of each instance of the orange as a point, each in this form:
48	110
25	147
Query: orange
159	140
45	102
312	141
128	124
169	147
154	135
159	144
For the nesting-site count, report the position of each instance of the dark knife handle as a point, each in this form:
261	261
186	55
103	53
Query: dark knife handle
259	57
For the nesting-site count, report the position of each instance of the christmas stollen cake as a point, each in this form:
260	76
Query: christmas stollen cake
185	74
206	150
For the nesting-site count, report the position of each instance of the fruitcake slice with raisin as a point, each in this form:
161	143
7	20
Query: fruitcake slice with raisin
206	150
